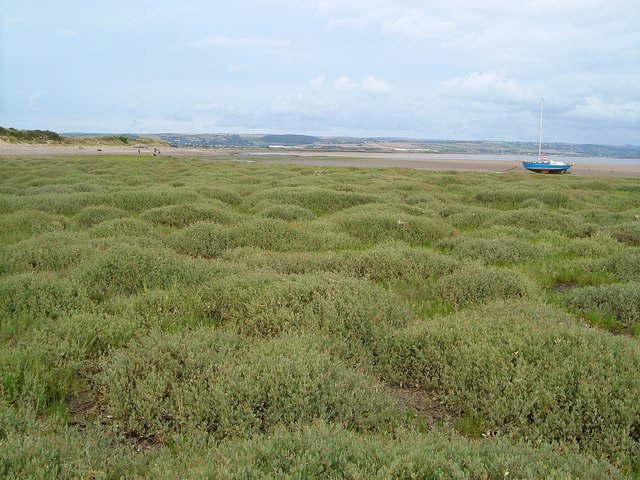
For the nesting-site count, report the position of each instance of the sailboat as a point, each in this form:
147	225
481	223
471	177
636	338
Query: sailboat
544	165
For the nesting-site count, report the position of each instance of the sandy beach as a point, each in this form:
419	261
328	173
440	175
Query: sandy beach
316	158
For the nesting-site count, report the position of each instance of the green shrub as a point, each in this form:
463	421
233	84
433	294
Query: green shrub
123	227
129	269
150	197
207	239
537	220
623	266
528	372
621	301
39	448
182	215
287	212
329	451
351	313
474	284
221	384
498	250
25	223
315	199
463	216
222	194
87	217
376	225
39	295
49	251
515	196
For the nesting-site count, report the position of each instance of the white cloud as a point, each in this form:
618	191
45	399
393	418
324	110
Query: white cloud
488	86
370	85
34	100
595	108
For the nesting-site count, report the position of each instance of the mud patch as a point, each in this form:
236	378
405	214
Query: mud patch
423	404
564	286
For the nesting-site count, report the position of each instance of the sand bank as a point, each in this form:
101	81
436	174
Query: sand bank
318	159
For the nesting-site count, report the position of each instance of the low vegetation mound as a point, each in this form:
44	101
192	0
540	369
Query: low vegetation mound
176	318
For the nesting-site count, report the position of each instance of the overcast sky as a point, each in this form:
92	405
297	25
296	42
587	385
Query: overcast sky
446	69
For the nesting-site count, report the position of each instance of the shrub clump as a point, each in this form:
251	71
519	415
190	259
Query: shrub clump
182	215
315	199
207	239
128	269
40	295
620	301
221	384
325	450
350	313
89	216
375	226
32	222
475	284
537	220
288	212
527	371
497	250
123	227
49	251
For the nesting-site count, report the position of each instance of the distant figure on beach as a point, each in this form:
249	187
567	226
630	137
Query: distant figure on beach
156	151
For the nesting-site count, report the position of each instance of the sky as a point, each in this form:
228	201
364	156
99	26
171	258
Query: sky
446	69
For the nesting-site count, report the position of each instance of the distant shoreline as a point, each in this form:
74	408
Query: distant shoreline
439	162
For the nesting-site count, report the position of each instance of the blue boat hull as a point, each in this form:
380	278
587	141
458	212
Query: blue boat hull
545	167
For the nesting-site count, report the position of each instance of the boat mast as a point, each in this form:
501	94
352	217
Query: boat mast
540	141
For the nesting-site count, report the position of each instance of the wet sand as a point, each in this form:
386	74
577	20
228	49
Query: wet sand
318	158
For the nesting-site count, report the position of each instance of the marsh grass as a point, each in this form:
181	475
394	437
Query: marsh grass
178	318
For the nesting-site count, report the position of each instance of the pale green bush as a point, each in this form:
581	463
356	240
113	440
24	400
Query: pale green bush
25	223
621	301
317	200
464	216
90	216
182	215
222	384
150	197
207	239
623	266
379	225
475	284
537	220
129	269
527	371
498	250
33	447
49	251
516	196
352	313
123	227
330	451
223	194
40	295
287	212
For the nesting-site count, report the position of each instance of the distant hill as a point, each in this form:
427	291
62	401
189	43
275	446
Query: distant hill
289	139
380	144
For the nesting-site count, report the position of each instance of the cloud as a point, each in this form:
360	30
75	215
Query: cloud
488	86
240	42
595	108
34	100
370	85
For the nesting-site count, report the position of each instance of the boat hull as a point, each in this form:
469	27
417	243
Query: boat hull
545	167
